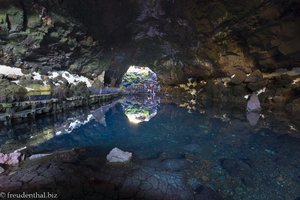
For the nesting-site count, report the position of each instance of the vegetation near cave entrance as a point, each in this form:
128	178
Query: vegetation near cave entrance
140	80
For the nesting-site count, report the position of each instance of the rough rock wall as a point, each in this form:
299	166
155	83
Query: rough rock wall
43	37
200	39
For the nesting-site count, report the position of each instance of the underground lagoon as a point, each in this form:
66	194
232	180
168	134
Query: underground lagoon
150	99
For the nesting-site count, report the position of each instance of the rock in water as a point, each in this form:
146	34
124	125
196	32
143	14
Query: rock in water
253	104
118	156
239	168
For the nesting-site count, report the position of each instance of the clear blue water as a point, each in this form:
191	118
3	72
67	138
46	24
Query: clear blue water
221	149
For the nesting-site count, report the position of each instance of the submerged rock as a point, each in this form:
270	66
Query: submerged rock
193	148
205	193
118	156
10	158
174	164
239	168
195	184
253	104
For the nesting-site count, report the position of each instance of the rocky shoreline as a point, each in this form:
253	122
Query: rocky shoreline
277	91
20	111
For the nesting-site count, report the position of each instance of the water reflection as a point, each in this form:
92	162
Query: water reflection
253	118
33	133
73	123
244	156
140	108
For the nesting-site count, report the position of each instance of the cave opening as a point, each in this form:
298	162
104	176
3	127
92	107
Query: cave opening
150	99
141	83
140	80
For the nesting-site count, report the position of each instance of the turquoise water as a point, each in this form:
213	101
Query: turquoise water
223	149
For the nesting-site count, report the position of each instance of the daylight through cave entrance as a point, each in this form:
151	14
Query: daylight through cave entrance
140	80
141	83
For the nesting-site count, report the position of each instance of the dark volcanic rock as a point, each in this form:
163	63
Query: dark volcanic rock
238	77
294	106
255	86
254	77
42	37
176	39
